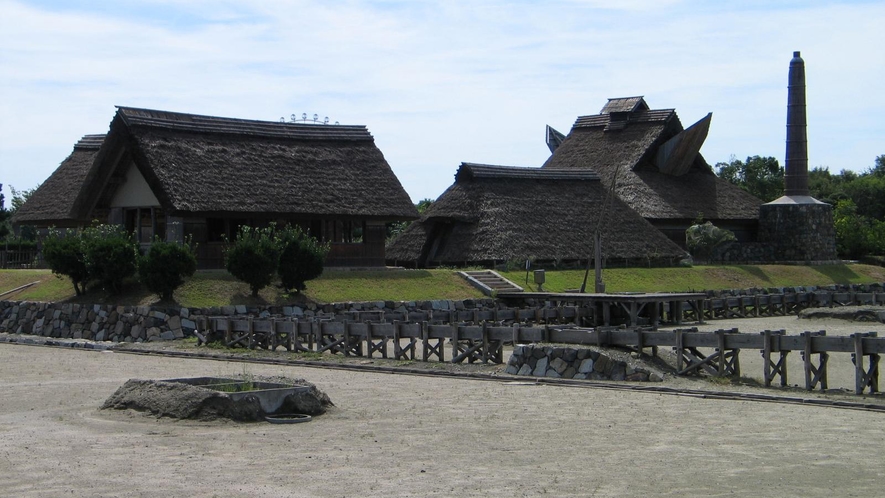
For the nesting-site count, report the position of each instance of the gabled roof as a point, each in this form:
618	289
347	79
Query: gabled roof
54	200
501	213
209	164
675	184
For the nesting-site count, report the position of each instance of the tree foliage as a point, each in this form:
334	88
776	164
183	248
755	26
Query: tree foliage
395	228
761	176
702	238
253	257
4	215
857	235
301	258
19	197
111	255
165	266
63	252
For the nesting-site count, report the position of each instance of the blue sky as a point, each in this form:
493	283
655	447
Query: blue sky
441	82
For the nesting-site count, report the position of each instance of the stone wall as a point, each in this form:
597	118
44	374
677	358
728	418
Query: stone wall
574	363
799	232
146	323
787	233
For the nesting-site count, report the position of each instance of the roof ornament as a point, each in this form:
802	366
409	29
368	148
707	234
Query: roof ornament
316	119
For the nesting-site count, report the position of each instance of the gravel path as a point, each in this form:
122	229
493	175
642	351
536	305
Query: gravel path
398	435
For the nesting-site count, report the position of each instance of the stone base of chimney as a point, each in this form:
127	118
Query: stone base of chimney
798	231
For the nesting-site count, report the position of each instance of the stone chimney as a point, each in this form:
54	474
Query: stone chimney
796	167
796	227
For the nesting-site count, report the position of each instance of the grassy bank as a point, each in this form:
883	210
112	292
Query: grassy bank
708	277
218	288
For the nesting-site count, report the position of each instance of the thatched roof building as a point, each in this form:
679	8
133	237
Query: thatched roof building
492	214
52	204
660	173
177	174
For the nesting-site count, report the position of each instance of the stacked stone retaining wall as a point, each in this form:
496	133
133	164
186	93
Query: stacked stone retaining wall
147	323
574	363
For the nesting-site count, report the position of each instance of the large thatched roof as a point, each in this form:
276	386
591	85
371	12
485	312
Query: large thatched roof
500	213
212	165
660	173
207	164
53	202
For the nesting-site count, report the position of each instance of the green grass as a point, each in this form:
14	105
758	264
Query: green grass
707	277
218	288
405	285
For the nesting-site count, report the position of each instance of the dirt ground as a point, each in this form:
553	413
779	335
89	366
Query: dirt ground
407	435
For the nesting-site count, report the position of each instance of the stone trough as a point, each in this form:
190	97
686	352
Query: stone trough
270	396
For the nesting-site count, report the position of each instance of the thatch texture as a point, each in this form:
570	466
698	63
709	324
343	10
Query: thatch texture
625	142
53	202
201	164
497	213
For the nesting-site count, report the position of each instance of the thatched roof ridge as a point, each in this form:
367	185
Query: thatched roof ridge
629	150
53	202
214	124
469	171
205	165
511	217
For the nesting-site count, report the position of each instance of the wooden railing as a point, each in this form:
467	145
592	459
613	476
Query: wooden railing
485	343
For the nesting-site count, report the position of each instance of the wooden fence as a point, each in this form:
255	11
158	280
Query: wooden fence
485	343
15	260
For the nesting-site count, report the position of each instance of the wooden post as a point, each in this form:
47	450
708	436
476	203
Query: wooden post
455	345
865	378
679	348
397	348
425	338
485	342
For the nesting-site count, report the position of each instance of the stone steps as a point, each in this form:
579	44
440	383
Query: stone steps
490	282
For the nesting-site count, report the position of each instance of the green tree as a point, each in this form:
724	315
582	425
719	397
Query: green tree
301	258
397	227
253	257
761	176
111	255
4	216
165	266
19	197
879	166
63	252
868	193
857	235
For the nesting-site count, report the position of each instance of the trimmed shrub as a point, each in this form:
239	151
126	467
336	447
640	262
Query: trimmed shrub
253	257
111	255
301	258
165	266
63	252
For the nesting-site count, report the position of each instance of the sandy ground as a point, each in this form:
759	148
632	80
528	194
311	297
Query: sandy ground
402	435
